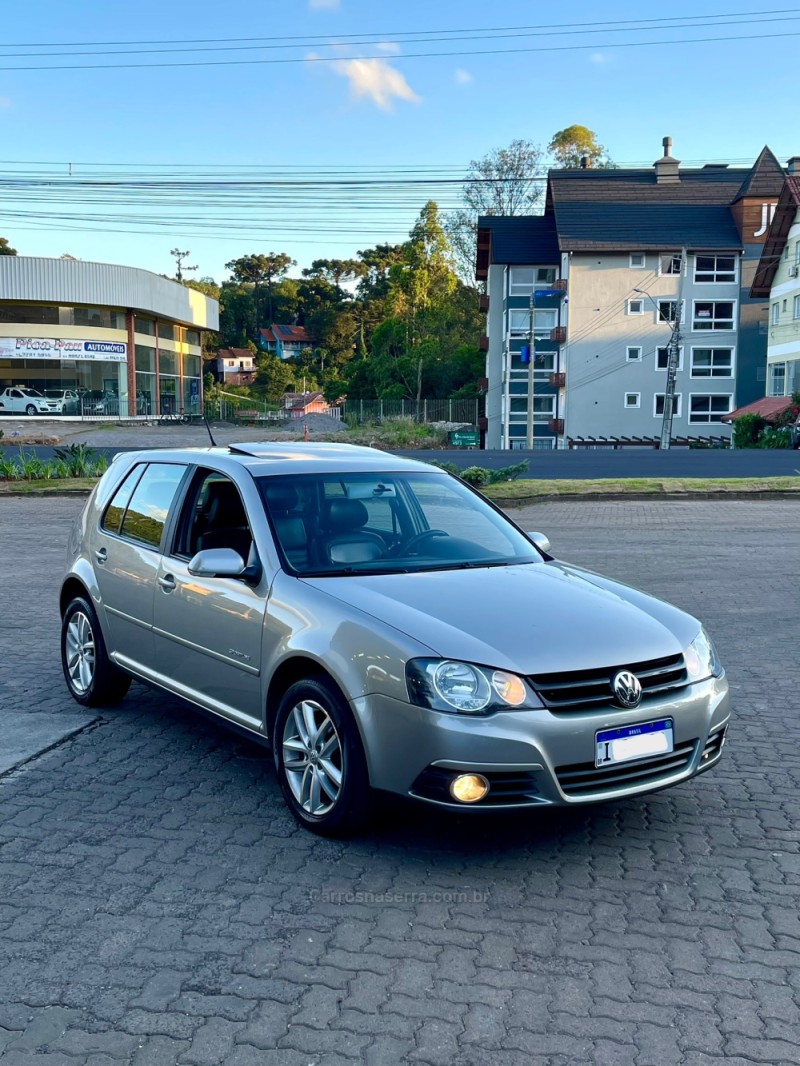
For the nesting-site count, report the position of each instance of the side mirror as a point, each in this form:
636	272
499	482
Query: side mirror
217	562
541	541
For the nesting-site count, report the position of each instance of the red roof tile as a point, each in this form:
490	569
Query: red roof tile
769	408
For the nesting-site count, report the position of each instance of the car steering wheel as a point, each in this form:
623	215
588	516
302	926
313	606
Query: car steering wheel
419	538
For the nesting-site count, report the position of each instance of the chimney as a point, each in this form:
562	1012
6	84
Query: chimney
667	168
585	162
793	166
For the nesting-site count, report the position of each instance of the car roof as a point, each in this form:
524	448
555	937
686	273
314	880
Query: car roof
301	457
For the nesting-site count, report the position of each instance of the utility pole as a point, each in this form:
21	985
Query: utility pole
673	352
531	360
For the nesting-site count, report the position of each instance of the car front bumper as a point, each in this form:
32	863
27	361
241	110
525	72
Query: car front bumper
536	758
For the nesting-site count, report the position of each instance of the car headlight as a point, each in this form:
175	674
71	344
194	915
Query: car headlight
701	658
463	688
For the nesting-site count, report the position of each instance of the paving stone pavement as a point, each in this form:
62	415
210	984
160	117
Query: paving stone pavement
158	906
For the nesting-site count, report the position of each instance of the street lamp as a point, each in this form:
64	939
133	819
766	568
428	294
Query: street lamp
672	368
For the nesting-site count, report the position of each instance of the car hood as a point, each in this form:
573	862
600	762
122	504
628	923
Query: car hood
540	617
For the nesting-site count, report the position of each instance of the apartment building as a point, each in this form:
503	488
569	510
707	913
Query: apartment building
636	255
777	280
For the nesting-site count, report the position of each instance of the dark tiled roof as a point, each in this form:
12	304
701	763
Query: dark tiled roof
639	227
707	185
775	242
522	238
766	177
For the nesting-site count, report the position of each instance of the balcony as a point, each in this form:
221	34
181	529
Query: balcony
483	344
556	425
559	335
558	381
483	302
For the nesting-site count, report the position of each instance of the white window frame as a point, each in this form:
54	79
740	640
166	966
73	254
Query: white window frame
665	347
715	281
679	409
670	273
710	396
552	269
637	266
634	358
771	371
631	406
518	288
712	377
776	313
669	300
540	332
796	307
715	329
628	310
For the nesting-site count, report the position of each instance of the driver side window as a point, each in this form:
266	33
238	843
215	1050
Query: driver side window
213	516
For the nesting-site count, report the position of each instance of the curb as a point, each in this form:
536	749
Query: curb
595	497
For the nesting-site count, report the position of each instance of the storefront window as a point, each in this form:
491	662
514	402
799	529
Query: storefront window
191	366
193	337
99	317
30	313
168	389
191	396
168	362
90	386
145	358
145	394
141	324
166	331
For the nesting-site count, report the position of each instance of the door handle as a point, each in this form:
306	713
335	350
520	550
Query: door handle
101	555
167	582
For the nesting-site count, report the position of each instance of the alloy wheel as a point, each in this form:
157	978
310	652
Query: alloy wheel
80	652
312	758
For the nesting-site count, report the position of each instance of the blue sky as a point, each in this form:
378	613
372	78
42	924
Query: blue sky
719	100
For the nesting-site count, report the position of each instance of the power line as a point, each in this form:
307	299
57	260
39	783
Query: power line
594	46
386	34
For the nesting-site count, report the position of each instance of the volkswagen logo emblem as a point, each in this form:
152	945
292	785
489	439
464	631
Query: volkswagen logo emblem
627	689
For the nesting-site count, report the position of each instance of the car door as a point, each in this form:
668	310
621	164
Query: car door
16	401
208	630
126	555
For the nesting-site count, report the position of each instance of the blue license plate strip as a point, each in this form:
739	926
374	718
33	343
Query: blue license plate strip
640	741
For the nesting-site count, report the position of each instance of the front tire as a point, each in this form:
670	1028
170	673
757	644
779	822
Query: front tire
31	410
92	679
319	759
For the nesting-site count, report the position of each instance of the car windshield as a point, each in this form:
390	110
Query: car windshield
32	392
387	523
53	394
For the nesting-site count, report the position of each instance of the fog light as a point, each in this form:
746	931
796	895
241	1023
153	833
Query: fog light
469	788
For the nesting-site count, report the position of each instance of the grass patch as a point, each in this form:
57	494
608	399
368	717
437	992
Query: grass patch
528	489
48	486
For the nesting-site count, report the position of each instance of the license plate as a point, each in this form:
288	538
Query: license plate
633	742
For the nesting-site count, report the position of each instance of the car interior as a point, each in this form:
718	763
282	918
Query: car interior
219	519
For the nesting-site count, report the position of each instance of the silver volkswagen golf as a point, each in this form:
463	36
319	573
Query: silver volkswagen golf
381	626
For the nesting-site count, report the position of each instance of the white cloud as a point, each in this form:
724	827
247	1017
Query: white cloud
375	80
4	101
598	57
388	46
324	5
463	77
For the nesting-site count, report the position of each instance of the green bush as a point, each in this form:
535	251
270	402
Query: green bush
775	437
80	459
479	475
747	430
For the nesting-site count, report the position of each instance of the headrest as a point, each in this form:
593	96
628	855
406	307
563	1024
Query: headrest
343	515
223	497
281	496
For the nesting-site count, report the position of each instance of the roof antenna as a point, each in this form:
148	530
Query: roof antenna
208	427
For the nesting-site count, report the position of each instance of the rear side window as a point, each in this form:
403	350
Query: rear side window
115	512
146	513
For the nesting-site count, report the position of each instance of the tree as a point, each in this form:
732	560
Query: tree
5	247
334	271
506	181
258	270
273	377
570	145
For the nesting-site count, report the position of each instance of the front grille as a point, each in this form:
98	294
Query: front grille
592	688
583	779
505	786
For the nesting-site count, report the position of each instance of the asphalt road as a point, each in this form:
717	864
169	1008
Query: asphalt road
602	463
158	904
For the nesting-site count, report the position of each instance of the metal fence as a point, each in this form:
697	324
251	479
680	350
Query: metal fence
461	411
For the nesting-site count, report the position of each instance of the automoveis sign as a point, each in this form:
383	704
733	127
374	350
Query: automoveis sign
53	348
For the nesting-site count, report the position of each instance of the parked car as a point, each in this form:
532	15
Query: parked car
19	400
796	434
67	400
382	626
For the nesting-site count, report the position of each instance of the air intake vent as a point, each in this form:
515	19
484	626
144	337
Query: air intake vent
584	779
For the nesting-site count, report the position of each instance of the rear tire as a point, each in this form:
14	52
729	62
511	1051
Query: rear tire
92	679
319	759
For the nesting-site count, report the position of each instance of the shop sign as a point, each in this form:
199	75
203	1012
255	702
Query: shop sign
52	348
